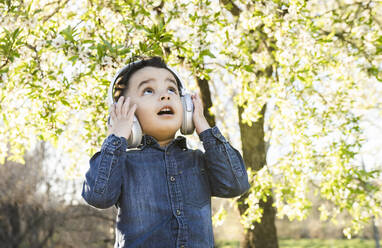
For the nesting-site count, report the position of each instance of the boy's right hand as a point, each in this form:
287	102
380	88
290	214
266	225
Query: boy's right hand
121	115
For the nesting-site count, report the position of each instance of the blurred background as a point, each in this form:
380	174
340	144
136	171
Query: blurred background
294	85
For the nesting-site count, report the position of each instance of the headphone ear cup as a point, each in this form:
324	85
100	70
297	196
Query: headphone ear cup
135	138
188	111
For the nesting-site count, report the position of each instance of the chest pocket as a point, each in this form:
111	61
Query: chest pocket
196	190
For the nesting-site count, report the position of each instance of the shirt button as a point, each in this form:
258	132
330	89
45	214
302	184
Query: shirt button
172	179
177	212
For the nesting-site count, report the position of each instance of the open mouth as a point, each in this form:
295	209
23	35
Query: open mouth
166	111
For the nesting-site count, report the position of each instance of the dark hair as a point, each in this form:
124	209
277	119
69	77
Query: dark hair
122	81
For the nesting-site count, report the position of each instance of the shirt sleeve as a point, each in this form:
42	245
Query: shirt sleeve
224	165
103	180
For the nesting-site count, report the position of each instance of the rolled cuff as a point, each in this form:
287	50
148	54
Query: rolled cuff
114	144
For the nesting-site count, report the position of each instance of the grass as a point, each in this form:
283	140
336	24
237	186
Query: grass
227	244
329	243
309	243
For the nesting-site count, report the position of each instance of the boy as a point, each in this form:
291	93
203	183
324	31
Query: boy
162	189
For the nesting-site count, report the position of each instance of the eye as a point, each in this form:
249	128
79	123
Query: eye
172	90
148	91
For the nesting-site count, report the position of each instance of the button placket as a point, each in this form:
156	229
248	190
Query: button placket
175	194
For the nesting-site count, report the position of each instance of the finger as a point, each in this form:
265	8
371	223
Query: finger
200	100
195	99
132	112
112	112
125	107
198	105
119	106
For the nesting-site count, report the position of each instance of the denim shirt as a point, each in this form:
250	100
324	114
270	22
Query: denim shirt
163	195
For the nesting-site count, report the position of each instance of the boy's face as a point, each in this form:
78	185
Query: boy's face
159	109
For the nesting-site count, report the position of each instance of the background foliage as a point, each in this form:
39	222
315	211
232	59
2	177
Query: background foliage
316	64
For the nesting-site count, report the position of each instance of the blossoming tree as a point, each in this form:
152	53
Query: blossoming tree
303	74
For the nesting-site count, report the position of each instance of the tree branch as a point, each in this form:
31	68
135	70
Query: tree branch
231	7
46	18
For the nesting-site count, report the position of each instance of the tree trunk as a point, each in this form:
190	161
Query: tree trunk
207	101
264	234
375	233
15	222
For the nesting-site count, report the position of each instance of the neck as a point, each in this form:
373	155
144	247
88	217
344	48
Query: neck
165	142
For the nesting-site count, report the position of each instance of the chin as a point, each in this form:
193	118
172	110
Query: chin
159	136
163	132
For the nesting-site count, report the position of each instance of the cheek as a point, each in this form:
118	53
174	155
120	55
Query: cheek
180	108
141	113
144	113
134	100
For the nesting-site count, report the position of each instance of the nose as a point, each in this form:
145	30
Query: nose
165	96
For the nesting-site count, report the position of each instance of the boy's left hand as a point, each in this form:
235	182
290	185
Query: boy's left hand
200	121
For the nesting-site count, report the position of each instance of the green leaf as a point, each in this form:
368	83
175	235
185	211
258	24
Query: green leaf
73	58
207	53
165	38
69	33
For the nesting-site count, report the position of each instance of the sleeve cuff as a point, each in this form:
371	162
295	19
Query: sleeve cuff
211	135
114	144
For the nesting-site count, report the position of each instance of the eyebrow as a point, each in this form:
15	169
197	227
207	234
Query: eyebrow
151	79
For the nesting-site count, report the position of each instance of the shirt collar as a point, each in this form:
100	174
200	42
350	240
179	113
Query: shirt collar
179	141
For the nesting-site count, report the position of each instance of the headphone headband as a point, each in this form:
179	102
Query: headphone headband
123	69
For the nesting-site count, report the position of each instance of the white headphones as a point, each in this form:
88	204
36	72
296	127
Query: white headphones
135	138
